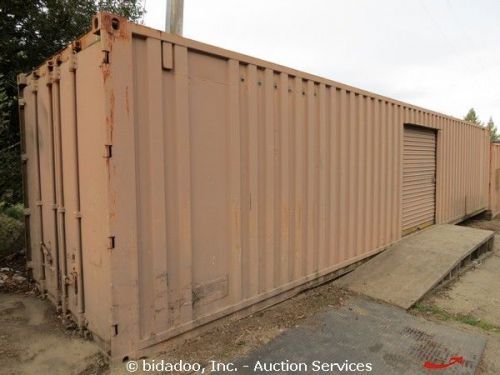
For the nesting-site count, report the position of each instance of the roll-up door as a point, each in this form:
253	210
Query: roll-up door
419	178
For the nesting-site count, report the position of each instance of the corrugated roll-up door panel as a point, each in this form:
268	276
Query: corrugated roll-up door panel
419	178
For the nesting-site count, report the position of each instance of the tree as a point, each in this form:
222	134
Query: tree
493	130
30	32
10	164
471	116
5	103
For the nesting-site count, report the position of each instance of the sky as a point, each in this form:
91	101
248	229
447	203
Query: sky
443	55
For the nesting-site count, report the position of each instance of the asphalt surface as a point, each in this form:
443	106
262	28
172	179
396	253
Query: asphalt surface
367	334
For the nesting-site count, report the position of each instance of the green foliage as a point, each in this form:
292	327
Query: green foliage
5	103
11	228
471	116
131	9
10	177
494	136
15	211
11	235
10	174
30	32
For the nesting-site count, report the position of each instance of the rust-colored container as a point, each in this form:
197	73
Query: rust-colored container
170	183
495	180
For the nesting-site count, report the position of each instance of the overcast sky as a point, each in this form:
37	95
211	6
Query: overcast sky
439	54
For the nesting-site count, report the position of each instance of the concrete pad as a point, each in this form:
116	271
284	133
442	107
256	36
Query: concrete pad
405	272
364	331
477	292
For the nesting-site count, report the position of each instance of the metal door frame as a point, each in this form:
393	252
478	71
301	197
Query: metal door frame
436	170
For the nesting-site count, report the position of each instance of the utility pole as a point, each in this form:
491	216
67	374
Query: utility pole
174	16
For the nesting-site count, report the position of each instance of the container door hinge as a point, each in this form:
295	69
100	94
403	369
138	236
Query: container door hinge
56	73
111	242
72	63
76	46
34	81
22	80
50	73
105	57
108	151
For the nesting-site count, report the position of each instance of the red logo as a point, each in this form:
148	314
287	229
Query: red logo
452	361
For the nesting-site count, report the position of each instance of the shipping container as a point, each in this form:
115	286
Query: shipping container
495	180
169	183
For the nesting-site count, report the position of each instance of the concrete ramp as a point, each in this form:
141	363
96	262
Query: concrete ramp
406	271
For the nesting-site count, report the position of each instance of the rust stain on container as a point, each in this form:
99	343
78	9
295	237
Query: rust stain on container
110	119
228	183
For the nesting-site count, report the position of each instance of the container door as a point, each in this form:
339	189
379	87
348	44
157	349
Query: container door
419	178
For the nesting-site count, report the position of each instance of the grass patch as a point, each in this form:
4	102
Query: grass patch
462	318
15	211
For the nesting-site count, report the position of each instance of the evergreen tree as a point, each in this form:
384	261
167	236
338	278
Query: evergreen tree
493	130
30	32
471	116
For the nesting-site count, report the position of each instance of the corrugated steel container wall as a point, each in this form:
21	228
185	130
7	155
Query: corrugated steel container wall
202	181
495	180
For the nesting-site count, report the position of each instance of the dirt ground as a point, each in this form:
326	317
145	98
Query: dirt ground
477	292
480	223
33	340
237	338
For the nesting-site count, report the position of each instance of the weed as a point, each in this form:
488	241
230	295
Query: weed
468	319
